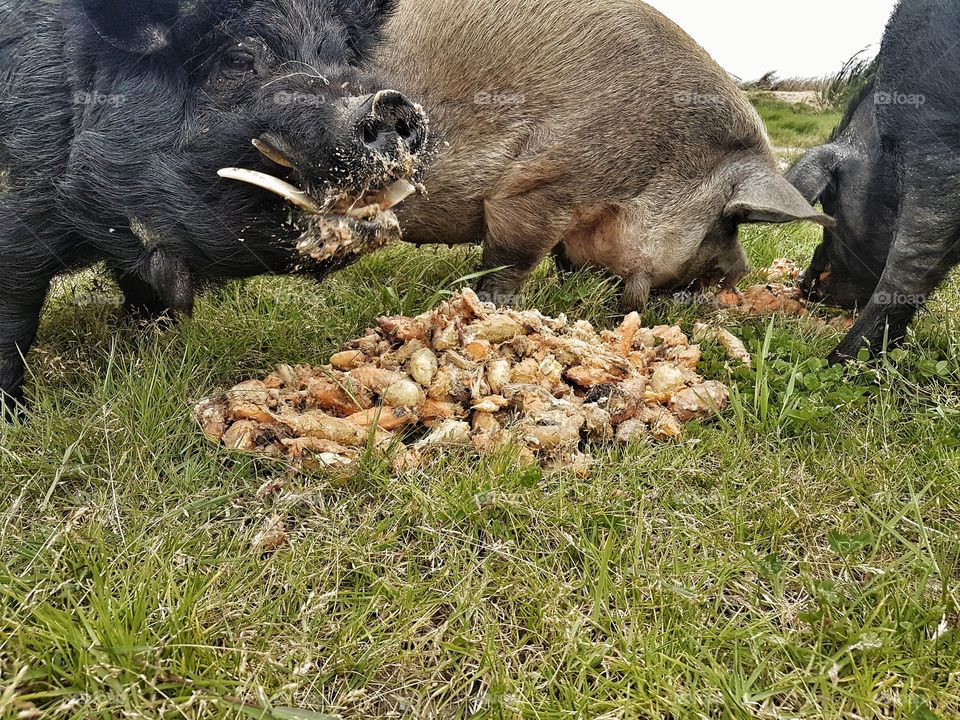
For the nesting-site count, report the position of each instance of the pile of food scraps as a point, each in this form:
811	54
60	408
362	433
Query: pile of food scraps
469	375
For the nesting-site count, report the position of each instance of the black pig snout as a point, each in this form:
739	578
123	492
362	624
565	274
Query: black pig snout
389	123
345	142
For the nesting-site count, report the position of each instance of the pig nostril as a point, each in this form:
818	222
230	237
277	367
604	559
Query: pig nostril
390	122
370	134
410	134
377	135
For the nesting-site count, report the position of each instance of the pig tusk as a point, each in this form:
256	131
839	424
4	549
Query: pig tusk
290	193
395	194
272	153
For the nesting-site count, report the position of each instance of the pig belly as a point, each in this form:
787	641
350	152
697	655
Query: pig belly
627	241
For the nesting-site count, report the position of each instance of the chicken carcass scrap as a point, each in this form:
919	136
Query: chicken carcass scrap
467	375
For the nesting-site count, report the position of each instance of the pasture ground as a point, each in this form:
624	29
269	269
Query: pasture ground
798	558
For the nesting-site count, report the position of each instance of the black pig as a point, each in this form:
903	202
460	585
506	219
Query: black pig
116	117
890	176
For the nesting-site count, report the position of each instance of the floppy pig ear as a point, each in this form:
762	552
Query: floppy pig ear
812	173
763	196
140	26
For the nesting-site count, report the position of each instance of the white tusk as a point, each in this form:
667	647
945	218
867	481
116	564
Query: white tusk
290	193
395	194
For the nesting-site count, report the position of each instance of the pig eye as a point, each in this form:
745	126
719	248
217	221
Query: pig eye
239	59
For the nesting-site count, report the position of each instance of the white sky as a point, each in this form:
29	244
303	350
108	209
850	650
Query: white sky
807	39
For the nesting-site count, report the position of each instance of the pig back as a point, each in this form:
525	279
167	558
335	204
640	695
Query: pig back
917	85
608	92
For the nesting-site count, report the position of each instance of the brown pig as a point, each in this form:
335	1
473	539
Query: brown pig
594	129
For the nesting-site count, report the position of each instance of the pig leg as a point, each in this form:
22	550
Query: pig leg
925	248
31	254
521	230
139	299
565	265
636	292
21	302
160	286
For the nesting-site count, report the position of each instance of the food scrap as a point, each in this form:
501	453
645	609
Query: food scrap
732	345
350	228
469	375
763	300
777	296
783	270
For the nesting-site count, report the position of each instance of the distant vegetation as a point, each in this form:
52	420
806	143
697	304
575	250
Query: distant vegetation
831	92
847	84
794	125
772	82
799	112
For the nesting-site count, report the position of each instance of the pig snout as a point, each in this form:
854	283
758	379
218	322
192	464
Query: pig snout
388	124
348	143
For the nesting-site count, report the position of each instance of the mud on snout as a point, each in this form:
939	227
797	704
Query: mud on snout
339	222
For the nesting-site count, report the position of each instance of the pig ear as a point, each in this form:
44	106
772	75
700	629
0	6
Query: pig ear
813	172
763	196
144	27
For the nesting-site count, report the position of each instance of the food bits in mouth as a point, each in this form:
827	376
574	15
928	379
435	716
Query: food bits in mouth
351	228
340	227
467	376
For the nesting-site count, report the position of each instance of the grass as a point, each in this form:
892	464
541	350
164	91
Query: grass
799	558
854	76
794	125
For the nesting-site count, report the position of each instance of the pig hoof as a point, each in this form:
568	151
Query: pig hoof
848	351
12	408
838	358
